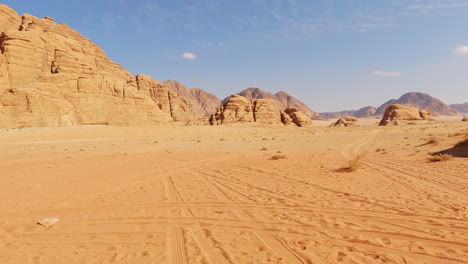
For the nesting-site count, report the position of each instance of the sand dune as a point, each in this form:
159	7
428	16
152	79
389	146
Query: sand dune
214	195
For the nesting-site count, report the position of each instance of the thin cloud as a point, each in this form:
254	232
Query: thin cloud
386	74
188	56
461	50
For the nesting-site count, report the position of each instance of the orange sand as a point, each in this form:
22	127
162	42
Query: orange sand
212	195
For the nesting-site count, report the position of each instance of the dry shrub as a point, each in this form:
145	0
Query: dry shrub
440	157
353	164
432	141
278	157
264	148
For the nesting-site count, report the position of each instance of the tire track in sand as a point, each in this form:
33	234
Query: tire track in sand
175	242
270	241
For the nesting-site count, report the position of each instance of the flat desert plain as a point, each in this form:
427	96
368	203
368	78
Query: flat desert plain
218	195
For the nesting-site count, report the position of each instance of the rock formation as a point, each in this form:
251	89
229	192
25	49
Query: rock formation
465	119
422	101
347	121
282	99
200	102
237	109
399	114
264	111
298	118
50	75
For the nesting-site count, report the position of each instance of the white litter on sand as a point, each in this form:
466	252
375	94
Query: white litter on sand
48	222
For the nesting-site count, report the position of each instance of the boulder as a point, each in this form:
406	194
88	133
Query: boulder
465	119
286	119
265	111
347	121
397	114
298	118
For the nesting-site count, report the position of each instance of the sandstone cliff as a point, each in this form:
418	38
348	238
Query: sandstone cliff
50	75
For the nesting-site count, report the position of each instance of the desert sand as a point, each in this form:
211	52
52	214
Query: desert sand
202	194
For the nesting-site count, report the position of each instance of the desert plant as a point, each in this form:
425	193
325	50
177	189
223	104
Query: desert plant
353	164
432	141
278	157
264	148
440	157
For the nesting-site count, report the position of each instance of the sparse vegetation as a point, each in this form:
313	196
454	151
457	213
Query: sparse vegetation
432	141
264	148
353	164
380	150
278	157
440	157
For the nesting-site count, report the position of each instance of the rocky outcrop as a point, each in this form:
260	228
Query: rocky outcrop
50	75
347	121
200	102
236	109
465	119
422	101
282	99
397	114
298	118
264	111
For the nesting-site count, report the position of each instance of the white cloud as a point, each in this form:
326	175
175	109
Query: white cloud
188	56
386	74
461	50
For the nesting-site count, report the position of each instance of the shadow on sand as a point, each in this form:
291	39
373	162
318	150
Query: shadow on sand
460	150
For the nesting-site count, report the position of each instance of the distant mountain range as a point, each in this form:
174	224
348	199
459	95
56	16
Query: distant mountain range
462	108
420	100
201	103
363	112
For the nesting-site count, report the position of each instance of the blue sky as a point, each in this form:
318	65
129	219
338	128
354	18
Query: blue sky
331	54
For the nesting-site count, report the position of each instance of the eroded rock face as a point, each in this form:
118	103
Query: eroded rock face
397	114
347	121
237	109
298	118
265	111
50	75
